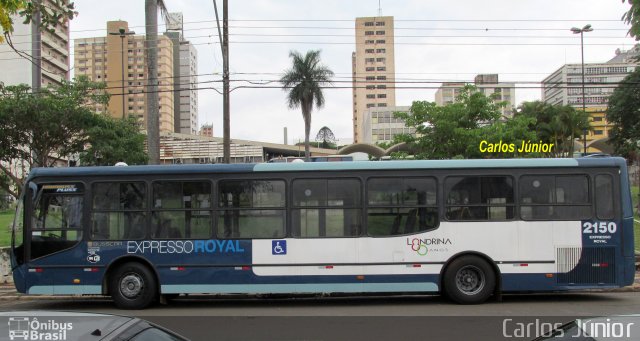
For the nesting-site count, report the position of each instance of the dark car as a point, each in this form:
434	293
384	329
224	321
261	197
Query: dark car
48	325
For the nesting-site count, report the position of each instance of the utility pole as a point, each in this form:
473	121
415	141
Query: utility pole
151	47
226	119
36	50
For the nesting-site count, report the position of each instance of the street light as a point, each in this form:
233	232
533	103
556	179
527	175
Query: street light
575	30
122	33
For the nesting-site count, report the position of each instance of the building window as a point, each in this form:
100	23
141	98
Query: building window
380	41
597	119
381	68
382	104
380	33
368	41
369	51
597	132
382	95
381	50
381	60
381	86
369	60
371	96
370	87
371	105
382	78
368	33
370	68
368	23
371	78
379	23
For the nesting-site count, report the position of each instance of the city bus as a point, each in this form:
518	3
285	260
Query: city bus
468	229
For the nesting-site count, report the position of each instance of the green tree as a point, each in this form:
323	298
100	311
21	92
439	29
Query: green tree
632	17
557	124
49	16
39	129
113	140
326	138
304	82
622	113
451	131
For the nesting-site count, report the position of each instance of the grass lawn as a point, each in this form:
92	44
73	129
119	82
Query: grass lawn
636	225
6	219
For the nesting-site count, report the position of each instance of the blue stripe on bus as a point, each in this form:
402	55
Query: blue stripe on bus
298	288
65	290
417	164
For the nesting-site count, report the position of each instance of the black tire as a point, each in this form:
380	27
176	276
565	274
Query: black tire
469	280
133	286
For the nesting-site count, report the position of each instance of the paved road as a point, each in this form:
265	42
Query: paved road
355	318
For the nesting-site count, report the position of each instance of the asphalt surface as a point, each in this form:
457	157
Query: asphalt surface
354	317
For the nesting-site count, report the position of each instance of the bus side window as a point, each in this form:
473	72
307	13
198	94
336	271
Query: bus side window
399	206
604	196
118	211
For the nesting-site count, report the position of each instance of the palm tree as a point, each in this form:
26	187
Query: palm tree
304	82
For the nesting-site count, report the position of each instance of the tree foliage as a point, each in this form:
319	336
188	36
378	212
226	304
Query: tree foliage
41	129
113	140
632	17
50	15
456	130
557	124
623	113
326	137
304	82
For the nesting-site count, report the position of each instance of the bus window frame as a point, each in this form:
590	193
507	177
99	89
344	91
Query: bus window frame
212	209
591	204
514	188
147	211
251	177
437	206
291	205
30	205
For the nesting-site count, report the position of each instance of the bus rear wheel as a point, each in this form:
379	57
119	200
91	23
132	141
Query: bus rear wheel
469	280
133	286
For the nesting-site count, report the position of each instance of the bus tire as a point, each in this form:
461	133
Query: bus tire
469	280
133	286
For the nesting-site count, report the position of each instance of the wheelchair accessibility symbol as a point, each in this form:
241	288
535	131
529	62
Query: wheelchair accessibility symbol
278	247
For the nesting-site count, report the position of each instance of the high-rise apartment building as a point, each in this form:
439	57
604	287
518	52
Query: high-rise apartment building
373	65
185	77
53	66
103	59
564	87
489	85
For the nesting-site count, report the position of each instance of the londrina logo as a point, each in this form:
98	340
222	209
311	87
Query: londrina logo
24	328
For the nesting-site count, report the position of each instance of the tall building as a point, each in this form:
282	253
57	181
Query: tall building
488	84
206	130
564	87
380	125
104	59
373	65
53	67
185	78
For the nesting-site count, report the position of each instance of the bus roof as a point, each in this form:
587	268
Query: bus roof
328	166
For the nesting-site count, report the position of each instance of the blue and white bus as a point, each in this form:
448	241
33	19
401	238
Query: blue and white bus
469	229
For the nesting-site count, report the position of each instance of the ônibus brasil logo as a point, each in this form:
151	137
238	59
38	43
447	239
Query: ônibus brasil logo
25	328
420	246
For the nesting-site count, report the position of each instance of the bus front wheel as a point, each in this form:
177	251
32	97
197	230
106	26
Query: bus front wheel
469	280
133	286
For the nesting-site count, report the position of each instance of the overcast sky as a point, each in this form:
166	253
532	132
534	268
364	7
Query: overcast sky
436	40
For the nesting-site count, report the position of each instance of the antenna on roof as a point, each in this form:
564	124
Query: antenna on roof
379	9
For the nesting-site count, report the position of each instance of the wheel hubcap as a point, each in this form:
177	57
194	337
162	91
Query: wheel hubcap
131	285
470	280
